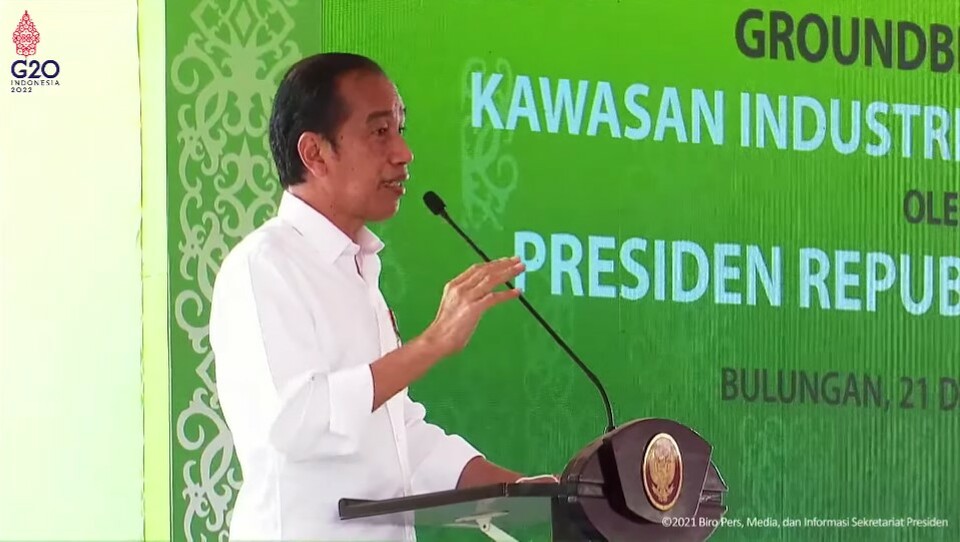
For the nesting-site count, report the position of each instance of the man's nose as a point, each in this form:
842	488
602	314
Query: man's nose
402	154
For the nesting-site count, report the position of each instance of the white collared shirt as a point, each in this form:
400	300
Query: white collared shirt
296	320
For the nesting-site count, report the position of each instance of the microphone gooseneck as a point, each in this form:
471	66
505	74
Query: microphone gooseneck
439	208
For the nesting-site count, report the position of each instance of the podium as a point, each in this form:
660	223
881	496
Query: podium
650	479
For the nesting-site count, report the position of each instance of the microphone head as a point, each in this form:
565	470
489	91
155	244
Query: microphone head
434	203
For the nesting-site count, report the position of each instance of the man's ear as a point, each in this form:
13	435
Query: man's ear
315	153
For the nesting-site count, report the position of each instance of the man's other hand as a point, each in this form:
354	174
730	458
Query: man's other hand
539	479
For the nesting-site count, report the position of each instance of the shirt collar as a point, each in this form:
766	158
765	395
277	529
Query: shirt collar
328	239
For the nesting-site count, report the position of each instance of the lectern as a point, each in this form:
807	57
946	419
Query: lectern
650	479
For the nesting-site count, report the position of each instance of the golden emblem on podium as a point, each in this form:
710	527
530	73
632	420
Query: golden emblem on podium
662	471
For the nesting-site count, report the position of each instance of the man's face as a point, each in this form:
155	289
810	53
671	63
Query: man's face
368	169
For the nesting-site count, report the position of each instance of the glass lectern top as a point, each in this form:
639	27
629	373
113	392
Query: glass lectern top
507	505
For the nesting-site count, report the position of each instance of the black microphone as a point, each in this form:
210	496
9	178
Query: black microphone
439	208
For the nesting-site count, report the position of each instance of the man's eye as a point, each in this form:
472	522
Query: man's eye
382	131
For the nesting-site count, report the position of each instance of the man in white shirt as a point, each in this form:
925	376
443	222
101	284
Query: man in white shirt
311	375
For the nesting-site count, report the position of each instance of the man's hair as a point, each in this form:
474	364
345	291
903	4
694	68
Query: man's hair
308	101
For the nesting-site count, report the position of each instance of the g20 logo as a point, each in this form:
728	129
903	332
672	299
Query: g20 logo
34	69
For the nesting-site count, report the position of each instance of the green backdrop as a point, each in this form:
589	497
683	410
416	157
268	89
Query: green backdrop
645	218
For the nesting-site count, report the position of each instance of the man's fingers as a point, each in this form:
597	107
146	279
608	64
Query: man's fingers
496	277
490	272
475	271
495	298
466	275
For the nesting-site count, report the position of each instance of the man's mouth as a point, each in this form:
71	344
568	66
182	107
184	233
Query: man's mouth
395	183
395	186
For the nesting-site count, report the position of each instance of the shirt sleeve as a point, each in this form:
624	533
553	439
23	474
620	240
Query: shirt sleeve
436	458
273	374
